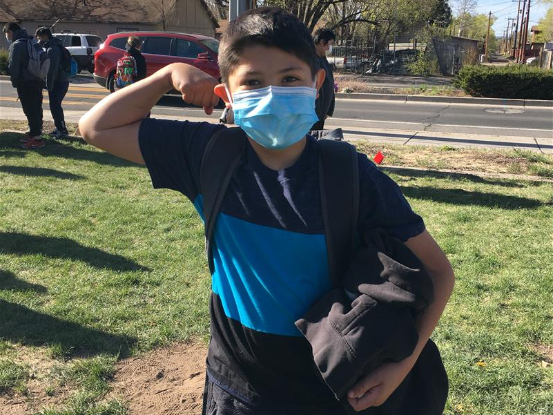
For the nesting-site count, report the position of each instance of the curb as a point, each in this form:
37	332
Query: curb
448	100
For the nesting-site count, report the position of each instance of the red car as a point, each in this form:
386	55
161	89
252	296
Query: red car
159	49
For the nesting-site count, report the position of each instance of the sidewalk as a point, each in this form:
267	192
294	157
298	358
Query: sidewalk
352	134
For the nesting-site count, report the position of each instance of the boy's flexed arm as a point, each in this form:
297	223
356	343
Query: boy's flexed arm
375	388
113	123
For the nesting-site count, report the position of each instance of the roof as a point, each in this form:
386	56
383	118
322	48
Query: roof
160	32
535	29
101	11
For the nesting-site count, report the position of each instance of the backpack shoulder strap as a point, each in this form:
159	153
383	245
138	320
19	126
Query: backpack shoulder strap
221	157
339	186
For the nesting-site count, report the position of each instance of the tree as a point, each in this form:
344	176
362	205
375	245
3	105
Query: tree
465	9
441	14
546	27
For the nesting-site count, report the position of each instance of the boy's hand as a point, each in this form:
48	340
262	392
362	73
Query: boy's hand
195	86
376	387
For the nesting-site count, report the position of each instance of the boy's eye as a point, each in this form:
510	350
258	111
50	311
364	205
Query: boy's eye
289	79
251	82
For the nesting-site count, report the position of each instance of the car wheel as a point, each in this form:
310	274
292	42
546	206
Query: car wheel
111	82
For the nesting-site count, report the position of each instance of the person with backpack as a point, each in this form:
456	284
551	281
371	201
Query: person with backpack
259	188
57	81
131	67
29	86
133	46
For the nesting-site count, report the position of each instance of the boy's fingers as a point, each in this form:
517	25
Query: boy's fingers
364	385
371	398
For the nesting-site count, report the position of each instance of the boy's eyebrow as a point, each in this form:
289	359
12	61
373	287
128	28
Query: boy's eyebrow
289	69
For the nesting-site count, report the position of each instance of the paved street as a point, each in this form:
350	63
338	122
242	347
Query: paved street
380	120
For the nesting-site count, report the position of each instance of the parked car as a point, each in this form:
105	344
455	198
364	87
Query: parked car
82	47
159	49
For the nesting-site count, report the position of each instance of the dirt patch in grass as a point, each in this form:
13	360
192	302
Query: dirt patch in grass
545	351
43	389
349	83
166	381
509	163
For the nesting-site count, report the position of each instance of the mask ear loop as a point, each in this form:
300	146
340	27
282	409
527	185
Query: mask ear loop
229	95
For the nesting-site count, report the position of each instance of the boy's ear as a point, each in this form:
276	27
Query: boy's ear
221	92
320	78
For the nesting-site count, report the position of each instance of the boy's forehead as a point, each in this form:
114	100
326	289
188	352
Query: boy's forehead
260	59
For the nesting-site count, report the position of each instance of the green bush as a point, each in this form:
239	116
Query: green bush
513	81
4	59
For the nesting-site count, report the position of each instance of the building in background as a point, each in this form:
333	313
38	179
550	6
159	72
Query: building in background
105	16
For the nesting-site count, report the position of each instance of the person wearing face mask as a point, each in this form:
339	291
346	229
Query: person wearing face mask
57	81
29	88
324	106
269	257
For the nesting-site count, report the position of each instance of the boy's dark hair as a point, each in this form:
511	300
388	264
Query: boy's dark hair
324	34
270	27
44	31
12	27
134	41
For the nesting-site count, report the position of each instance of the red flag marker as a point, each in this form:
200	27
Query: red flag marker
378	158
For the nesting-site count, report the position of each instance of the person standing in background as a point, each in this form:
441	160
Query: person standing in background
324	106
133	46
29	88
57	81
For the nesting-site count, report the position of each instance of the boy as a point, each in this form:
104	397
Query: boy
29	88
324	40
270	259
57	81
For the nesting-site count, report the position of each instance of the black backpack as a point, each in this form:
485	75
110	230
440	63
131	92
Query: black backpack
338	181
65	60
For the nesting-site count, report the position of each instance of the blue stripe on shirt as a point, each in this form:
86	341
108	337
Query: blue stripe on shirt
267	278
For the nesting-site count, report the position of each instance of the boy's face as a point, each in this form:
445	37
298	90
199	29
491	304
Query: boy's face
262	66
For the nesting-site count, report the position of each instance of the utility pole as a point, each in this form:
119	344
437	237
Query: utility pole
521	31
237	7
516	32
526	33
487	37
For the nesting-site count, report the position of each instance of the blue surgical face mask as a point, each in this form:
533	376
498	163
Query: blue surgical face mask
275	117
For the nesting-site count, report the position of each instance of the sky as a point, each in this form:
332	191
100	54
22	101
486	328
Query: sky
503	9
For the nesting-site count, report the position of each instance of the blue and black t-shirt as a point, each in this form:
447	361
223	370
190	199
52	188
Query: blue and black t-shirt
270	257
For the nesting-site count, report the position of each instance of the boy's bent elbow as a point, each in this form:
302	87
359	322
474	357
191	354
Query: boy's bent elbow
87	131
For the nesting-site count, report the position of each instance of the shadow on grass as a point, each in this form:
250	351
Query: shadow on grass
9	142
39	172
23	325
8	281
24	244
463	197
451	176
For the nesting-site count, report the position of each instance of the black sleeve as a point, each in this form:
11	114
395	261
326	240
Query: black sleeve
382	204
332	104
54	53
173	152
15	61
140	67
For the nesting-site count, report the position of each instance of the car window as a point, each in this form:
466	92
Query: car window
62	38
93	41
211	44
157	46
187	49
119	43
75	41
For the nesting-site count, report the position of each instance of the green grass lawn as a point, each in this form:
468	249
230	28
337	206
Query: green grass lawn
95	265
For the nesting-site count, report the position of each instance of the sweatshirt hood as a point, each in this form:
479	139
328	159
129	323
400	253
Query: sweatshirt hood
20	34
